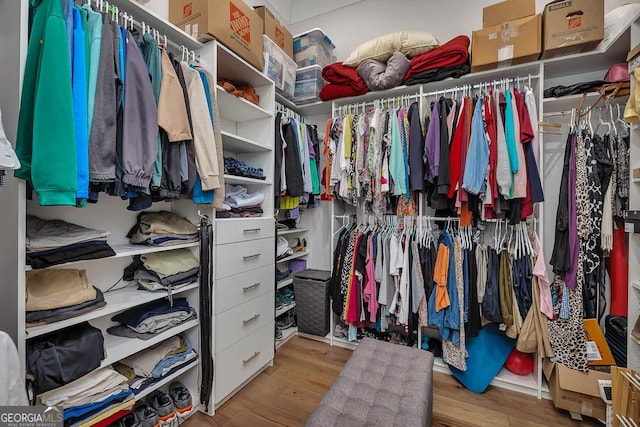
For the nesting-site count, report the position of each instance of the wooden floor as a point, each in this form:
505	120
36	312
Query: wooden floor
303	370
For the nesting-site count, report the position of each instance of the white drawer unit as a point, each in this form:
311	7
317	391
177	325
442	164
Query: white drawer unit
239	362
234	258
235	290
235	324
233	231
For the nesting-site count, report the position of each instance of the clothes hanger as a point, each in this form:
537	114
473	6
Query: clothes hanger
625	125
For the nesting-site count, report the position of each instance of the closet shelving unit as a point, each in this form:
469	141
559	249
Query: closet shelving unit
110	213
304	226
243	320
545	73
244	260
633	344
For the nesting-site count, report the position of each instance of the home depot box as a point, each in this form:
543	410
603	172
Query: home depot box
511	43
273	29
506	11
575	391
598	351
231	22
572	26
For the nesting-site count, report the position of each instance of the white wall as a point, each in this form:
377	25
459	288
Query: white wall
352	25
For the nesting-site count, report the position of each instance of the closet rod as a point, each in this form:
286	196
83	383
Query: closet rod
289	112
482	85
143	27
394	99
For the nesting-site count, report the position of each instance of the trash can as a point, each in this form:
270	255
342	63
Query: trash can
311	288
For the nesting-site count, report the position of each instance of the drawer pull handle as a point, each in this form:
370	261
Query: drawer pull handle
250	358
248	288
251	230
254	317
247	257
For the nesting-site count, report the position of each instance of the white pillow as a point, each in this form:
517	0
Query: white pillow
410	43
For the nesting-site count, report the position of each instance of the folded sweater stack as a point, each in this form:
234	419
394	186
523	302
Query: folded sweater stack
238	202
93	398
146	368
163	271
52	242
148	320
60	294
162	229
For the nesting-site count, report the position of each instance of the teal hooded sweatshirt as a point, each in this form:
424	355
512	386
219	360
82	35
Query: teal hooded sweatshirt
46	144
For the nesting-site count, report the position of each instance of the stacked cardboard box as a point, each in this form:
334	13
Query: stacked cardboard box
577	391
275	30
511	34
572	26
231	22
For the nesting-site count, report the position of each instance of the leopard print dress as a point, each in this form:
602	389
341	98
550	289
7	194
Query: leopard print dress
567	336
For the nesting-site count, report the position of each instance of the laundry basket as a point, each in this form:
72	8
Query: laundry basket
311	288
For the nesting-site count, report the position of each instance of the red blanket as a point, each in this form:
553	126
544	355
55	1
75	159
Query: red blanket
451	54
343	82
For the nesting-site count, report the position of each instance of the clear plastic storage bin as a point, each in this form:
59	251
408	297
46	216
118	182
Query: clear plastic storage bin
279	68
313	48
309	82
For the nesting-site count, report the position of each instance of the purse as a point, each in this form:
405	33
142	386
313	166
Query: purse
617	73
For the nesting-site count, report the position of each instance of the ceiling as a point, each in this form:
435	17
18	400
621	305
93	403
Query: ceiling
294	11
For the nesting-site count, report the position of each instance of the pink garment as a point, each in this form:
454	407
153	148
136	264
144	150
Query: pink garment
540	271
370	288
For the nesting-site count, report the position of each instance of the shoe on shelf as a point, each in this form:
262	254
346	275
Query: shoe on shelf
163	405
340	331
288	293
128	420
635	332
147	416
181	399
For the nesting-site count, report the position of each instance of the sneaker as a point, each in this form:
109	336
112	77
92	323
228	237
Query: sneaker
340	331
128	420
147	416
181	399
163	405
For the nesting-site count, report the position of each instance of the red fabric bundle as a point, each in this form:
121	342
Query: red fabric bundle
451	54
342	81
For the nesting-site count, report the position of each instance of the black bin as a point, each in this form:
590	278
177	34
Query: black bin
311	288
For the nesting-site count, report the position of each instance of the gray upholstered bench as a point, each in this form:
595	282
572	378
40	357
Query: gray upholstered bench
382	384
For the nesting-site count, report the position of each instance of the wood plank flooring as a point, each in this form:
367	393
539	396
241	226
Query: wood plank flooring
303	370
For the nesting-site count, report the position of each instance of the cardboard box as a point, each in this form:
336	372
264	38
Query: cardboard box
231	22
506	11
275	30
598	351
575	391
572	26
514	42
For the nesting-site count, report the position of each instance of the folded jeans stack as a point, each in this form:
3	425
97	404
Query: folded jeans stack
52	242
148	320
164	271
241	203
146	368
92	398
60	294
162	229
